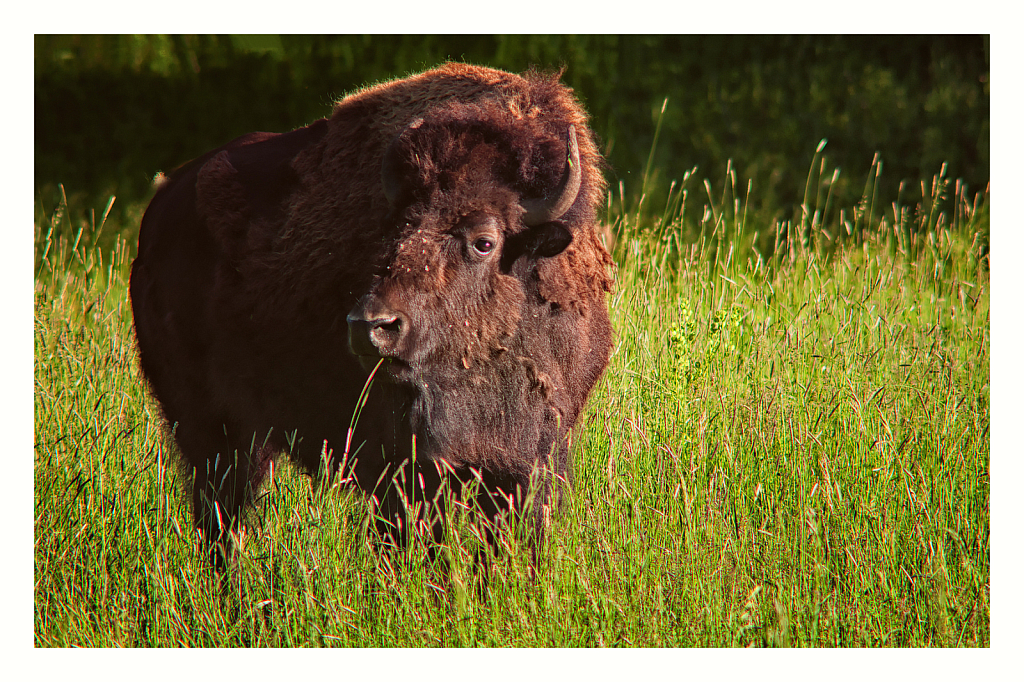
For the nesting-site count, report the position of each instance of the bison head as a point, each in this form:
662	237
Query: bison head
457	310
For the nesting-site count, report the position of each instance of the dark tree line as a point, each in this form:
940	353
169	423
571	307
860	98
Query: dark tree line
110	111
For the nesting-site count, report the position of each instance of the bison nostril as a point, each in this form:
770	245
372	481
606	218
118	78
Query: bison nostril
391	325
375	335
386	331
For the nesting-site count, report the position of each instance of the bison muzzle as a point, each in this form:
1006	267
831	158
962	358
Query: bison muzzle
438	231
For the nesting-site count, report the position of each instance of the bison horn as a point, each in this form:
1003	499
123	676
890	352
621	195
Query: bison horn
546	209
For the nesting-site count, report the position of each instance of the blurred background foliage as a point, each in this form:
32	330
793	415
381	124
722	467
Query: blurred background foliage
112	110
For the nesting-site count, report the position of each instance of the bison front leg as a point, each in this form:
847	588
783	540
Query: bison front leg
520	503
223	486
411	507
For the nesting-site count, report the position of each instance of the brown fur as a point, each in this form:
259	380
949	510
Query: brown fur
251	257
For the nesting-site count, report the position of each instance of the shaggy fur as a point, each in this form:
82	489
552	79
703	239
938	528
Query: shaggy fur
252	257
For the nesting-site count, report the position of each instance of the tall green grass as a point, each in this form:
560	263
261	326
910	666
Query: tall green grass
790	448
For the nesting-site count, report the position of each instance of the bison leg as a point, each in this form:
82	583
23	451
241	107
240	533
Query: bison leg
411	504
517	503
223	485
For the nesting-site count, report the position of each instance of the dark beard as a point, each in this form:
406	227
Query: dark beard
494	418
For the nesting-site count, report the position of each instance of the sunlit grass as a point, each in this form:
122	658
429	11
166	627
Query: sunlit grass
790	448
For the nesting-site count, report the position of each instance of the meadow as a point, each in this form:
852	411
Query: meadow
790	447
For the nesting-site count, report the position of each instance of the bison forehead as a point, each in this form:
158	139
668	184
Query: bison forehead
477	145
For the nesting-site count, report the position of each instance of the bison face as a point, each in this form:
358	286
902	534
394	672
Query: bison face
458	322
455	283
452	297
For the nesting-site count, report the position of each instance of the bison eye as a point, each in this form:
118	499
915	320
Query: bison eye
483	245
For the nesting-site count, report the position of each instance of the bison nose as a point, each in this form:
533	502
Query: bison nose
375	333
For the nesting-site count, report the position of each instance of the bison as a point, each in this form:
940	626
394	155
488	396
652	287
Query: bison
438	230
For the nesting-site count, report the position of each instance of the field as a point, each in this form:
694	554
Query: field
790	448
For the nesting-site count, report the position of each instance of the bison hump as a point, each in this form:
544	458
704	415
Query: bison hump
247	186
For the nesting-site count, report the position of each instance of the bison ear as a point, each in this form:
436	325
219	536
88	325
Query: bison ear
550	239
541	241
